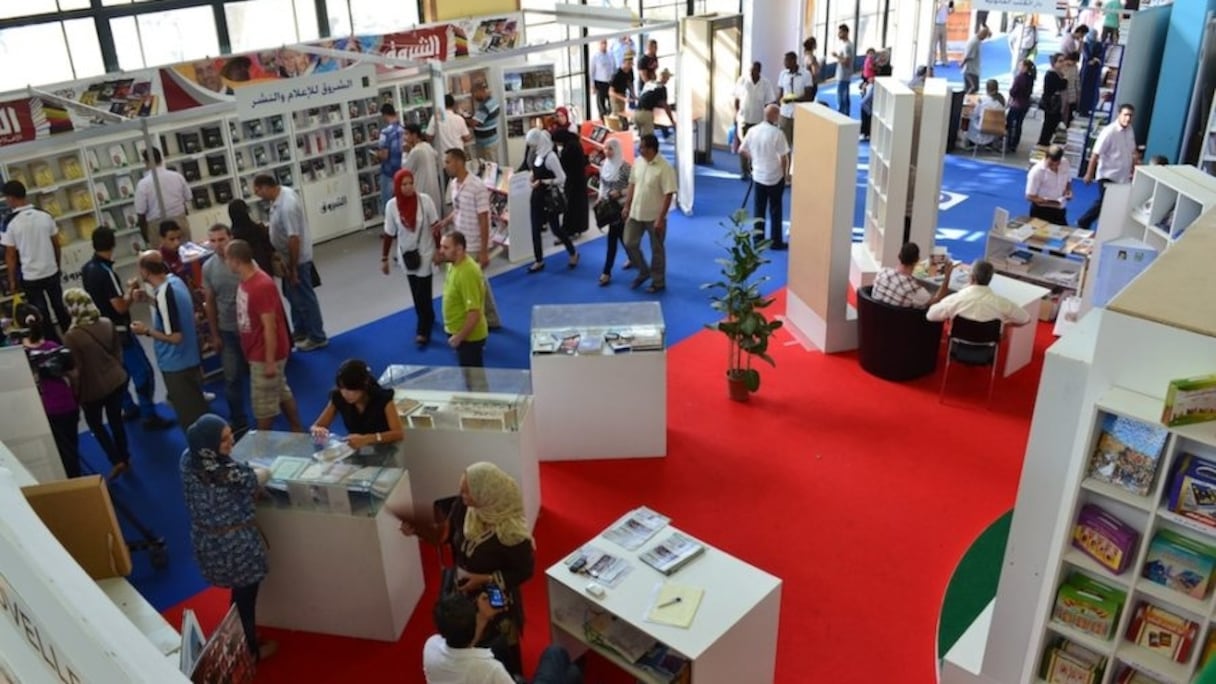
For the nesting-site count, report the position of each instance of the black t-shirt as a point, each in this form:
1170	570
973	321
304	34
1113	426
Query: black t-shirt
102	283
372	419
655	97
622	81
647	63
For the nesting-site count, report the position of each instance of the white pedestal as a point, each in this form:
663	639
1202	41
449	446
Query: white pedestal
339	574
810	329
590	407
332	206
519	223
862	267
1019	347
732	639
437	458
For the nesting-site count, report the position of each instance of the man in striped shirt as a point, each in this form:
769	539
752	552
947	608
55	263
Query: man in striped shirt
897	287
484	123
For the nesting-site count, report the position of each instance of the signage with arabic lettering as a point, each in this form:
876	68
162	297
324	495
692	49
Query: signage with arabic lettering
318	90
1035	6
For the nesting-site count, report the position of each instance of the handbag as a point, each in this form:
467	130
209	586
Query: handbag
412	259
607	212
555	200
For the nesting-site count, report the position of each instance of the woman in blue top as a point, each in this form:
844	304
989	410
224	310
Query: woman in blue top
227	543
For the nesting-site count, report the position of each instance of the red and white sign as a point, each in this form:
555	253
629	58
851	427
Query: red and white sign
16	122
436	42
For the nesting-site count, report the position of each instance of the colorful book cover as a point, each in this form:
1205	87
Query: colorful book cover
1163	632
1179	563
1127	454
126	187
1190	400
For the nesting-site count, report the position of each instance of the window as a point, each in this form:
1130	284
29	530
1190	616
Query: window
306	20
84	48
46	42
24	8
260	24
377	16
126	43
178	35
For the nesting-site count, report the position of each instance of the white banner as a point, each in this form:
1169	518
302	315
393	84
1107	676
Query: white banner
1016	6
317	90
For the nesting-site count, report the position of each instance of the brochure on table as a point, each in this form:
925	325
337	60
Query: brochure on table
605	329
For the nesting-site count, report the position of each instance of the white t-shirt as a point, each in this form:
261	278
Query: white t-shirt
1116	150
31	230
796	83
980	304
444	665
286	219
943	12
753	97
1048	184
448	133
844	65
420	238
766	144
175	190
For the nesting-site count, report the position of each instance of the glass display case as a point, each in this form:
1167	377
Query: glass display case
329	477
598	329
451	398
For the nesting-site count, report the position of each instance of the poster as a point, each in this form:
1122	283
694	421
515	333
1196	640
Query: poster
267	98
22	121
226	658
134	94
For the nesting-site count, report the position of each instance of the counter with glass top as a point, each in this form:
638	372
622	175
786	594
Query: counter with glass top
599	376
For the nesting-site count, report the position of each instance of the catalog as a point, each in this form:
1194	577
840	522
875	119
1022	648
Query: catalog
674	553
603	567
636	528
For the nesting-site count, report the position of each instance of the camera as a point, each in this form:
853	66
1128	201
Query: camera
51	364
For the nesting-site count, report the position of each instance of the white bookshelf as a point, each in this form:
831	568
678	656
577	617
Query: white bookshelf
528	92
200	150
1207	156
413	102
891	135
260	146
929	154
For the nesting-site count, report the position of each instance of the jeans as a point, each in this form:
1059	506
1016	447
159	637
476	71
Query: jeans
770	196
246	601
305	309
67	440
47	295
602	102
184	390
471	354
135	360
555	667
656	270
615	233
1087	219
842	96
424	304
939	39
1013	127
386	191
113	441
539	216
236	377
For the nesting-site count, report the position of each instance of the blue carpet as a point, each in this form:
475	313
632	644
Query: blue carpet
153	491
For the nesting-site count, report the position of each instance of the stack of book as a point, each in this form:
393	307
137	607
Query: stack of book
673	553
1088	605
1066	662
1162	632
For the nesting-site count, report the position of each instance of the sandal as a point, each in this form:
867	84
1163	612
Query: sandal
573	261
605	279
421	340
536	267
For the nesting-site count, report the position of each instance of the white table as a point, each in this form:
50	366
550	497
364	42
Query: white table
732	639
600	405
1019	342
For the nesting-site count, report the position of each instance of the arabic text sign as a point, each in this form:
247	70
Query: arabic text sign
1035	6
16	122
286	95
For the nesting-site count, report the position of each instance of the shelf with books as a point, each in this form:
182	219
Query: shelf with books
1161	595
260	141
1153	664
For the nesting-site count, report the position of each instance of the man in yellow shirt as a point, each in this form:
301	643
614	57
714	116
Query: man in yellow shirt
652	185
464	297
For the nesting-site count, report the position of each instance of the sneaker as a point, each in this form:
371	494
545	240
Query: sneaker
208	397
311	345
157	423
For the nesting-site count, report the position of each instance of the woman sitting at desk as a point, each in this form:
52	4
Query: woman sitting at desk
366	408
491	545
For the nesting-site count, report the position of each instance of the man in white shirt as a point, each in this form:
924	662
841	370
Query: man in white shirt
1049	187
793	86
173	189
844	55
753	93
603	66
448	131
769	152
1113	160
292	240
31	242
977	302
944	10
470	216
897	286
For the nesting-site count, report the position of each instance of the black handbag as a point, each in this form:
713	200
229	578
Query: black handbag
607	212
555	200
412	259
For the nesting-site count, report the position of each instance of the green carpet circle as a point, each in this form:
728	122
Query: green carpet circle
973	583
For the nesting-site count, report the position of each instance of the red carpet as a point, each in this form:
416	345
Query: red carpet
861	494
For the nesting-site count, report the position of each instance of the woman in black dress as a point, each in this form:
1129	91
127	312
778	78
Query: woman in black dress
546	171
256	234
366	408
1052	101
574	163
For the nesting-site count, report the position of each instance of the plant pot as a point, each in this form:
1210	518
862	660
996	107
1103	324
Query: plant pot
737	385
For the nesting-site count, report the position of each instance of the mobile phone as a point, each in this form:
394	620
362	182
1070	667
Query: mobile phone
496	597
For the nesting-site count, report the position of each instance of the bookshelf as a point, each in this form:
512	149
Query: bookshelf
414	105
115	167
321	142
891	137
529	92
732	637
594	138
200	152
1207	155
57	183
261	145
323	169
1056	260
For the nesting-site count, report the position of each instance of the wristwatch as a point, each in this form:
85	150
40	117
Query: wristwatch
378	439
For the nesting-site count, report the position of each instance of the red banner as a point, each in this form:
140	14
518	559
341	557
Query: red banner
19	121
436	42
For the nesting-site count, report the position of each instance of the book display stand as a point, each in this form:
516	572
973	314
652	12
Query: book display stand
821	207
887	182
201	152
412	100
261	146
345	567
1098	441
587	358
529	93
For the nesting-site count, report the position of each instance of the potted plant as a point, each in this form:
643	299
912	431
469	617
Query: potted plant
741	304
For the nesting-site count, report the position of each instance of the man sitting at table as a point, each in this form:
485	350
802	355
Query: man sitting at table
1049	187
977	302
898	287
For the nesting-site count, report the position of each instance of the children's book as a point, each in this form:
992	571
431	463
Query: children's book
1127	454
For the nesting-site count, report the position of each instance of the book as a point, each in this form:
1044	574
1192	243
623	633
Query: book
1162	632
70	168
601	566
673	553
1180	563
674	604
80	200
1131	675
43	176
636	528
1127	453
1190	400
607	630
1088	605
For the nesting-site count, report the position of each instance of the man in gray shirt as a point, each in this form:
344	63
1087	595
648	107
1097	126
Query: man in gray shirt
220	286
971	60
292	241
844	55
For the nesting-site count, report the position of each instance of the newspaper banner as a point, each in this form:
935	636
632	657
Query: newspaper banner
317	90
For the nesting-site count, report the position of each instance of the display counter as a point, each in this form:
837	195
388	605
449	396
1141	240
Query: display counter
600	378
455	417
339	564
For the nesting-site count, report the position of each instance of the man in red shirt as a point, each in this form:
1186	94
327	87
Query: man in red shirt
263	327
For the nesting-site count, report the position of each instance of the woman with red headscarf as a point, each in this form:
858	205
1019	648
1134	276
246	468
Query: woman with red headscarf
563	122
408	219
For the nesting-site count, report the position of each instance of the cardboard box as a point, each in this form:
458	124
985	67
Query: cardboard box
1190	400
81	516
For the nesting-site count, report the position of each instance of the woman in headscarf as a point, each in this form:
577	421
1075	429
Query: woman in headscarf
227	543
408	219
574	163
614	183
256	234
491	545
52	378
101	380
426	163
563	123
546	172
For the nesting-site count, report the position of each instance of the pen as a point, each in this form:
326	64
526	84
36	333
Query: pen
671	602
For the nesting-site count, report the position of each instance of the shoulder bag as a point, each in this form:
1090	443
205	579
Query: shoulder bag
607	212
554	200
